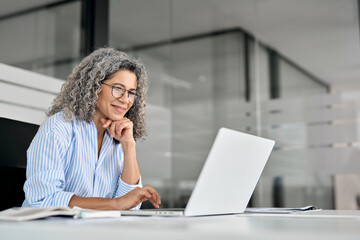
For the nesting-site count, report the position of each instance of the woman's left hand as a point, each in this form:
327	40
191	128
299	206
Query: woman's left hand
121	130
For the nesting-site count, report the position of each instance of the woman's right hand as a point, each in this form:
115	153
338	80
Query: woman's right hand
137	196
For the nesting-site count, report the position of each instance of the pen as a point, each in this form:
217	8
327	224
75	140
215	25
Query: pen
97	214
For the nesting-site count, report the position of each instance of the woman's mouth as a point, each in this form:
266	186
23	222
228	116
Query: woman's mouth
119	109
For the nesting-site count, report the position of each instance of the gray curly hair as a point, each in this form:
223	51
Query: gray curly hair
79	94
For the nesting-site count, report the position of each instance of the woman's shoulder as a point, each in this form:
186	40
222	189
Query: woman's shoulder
57	124
55	131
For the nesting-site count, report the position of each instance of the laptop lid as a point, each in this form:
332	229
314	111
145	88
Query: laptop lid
230	174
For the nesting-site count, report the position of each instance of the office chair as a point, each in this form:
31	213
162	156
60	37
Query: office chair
15	138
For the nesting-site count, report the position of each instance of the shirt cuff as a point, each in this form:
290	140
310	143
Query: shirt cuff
124	188
60	199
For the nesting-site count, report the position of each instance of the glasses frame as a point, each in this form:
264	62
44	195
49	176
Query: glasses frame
125	90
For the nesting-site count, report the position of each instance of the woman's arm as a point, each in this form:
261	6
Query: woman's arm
45	178
131	172
129	200
122	130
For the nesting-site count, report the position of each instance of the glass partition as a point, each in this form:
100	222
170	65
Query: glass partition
196	85
261	67
285	70
46	41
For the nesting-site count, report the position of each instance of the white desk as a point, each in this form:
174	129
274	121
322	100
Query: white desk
328	224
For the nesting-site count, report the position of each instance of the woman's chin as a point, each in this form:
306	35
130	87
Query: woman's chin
116	117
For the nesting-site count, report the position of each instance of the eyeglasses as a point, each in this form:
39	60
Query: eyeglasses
118	90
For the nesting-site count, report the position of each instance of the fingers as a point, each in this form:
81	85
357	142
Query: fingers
143	194
139	195
119	128
149	193
155	198
106	122
116	128
146	194
111	129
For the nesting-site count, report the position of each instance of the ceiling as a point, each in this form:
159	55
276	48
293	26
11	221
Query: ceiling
321	36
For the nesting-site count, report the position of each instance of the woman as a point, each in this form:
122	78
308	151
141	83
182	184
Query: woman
84	153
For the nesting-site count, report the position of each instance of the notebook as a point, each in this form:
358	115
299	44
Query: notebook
227	179
30	213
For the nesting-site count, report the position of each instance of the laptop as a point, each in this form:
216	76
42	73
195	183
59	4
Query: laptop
227	179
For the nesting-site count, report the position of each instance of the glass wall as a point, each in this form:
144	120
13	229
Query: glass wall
46	41
196	79
254	66
270	68
294	83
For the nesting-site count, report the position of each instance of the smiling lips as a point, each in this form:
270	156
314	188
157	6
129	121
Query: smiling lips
119	109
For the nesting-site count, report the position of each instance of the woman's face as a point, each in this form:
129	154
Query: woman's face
109	107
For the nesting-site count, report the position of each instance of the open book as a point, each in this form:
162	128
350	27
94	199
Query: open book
24	214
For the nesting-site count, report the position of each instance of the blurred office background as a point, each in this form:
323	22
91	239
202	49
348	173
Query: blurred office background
288	70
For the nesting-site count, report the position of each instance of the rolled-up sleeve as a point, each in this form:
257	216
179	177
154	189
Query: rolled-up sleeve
45	182
123	188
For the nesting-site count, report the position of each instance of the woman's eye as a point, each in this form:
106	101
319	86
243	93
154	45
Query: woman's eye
118	89
132	93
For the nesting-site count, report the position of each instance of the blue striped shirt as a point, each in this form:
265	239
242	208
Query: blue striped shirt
63	160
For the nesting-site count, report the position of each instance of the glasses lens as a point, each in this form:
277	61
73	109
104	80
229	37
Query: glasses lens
118	91
132	97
